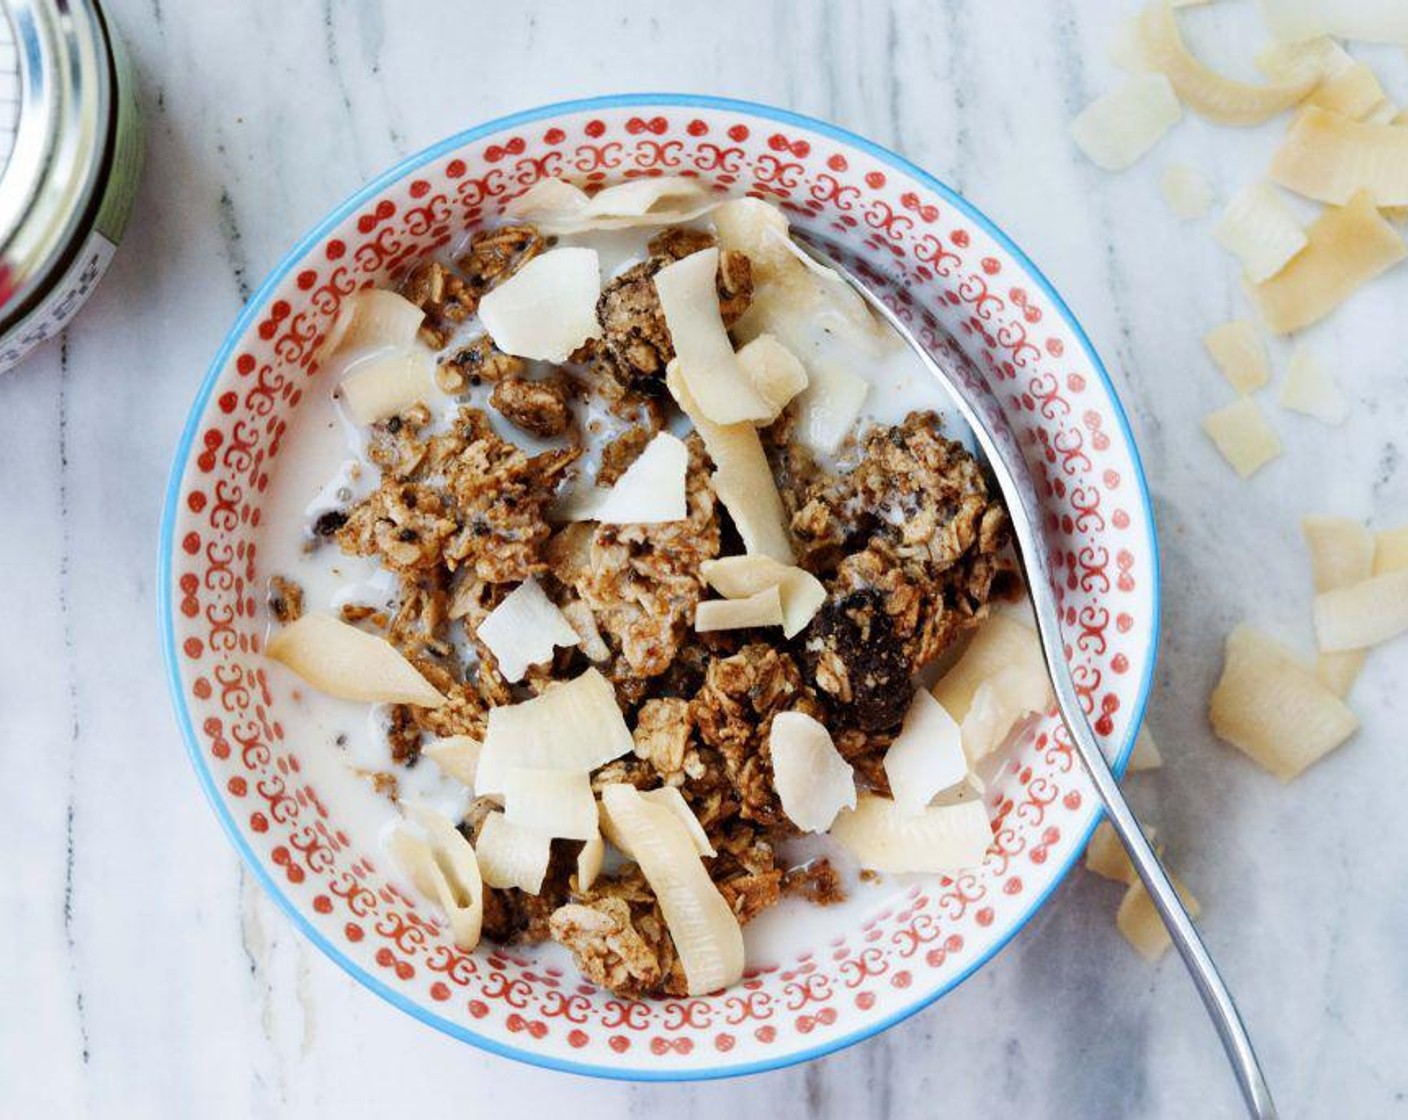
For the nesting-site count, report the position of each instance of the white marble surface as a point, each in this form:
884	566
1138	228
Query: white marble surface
143	974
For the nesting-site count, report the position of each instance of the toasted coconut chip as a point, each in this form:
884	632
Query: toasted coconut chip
1331	157
337	658
927	755
1363	614
720	386
667	797
524	630
1138	919
1001	641
576	725
943	838
705	931
1341	551
1385	112
829	406
1118	127
589	862
742	478
813	781
546	309
1354	91
388	382
558	802
1311	60
456	756
511	855
1260	230
1212	95
558	208
1187	192
373	317
1269	705
1310	388
1391	550
759	229
762	609
652	489
1238	351
442	865
1145	755
1000	703
579	501
737	577
1241	433
776	373
1371	21
1105	855
1348	247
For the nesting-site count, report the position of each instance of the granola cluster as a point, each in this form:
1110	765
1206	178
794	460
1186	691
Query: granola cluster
907	541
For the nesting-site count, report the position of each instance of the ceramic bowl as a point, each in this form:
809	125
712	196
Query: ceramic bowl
973	295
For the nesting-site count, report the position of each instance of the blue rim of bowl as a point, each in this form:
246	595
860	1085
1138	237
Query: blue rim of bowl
250	312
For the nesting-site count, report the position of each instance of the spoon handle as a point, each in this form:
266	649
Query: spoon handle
1008	467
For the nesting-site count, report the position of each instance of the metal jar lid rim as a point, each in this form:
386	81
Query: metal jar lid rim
48	184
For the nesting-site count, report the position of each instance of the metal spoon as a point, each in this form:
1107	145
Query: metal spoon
1010	470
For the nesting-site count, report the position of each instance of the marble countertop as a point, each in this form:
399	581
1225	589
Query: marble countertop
145	975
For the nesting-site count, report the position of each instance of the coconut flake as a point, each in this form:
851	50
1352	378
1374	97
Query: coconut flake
373	318
1187	192
1353	91
667	797
1118	127
1330	157
829	406
776	373
1000	703
589	862
1260	230
441	864
456	756
927	755
524	629
738	577
386	383
1310	388
1138	919
1106	857
576	725
719	385
1243	436
1311	60
943	838
1001	642
1270	706
652	489
742	478
558	802
511	855
1363	614
762	609
546	309
557	207
1372	21
1391	550
1348	246
1220	99
1145	755
705	931
337	658
813	781
1238	351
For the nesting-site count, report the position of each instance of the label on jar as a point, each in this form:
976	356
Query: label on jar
53	313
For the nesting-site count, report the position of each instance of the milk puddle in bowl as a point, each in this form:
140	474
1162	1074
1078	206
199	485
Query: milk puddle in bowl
323	467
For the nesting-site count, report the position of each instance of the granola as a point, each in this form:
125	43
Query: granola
906	540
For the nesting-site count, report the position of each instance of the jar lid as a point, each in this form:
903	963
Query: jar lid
55	73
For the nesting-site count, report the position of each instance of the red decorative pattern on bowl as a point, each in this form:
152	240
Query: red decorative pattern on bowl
973	296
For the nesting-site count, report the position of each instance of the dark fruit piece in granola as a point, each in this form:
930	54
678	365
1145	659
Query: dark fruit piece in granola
285	599
853	655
